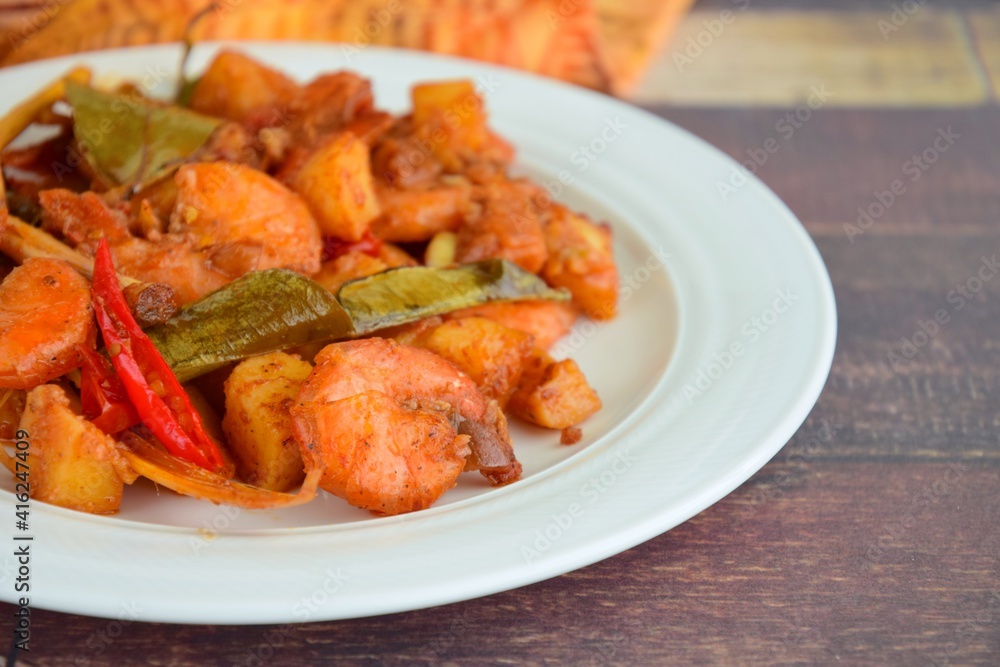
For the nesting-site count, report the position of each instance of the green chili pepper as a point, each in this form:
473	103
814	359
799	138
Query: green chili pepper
278	309
260	312
408	294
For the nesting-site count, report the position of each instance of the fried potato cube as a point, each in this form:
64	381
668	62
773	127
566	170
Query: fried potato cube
73	464
257	423
546	321
491	354
455	107
553	394
336	183
234	85
349	266
581	260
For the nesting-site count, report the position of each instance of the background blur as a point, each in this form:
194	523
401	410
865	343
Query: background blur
718	52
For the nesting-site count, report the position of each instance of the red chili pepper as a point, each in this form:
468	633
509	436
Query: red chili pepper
158	397
333	247
105	402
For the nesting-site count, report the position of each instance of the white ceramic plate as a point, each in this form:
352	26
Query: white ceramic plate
685	419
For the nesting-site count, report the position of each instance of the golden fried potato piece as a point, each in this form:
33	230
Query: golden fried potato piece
336	183
73	464
455	111
349	266
257	423
12	402
553	394
235	85
491	354
546	321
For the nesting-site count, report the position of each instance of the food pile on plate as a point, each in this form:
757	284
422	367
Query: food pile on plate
265	287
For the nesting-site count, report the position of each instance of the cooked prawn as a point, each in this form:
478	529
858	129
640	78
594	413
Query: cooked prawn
416	215
392	426
45	316
230	204
228	219
170	259
508	226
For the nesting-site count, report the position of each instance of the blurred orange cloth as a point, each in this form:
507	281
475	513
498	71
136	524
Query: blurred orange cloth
601	44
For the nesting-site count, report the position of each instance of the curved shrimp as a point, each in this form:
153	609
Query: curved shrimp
415	215
228	219
170	259
227	204
507	224
45	316
392	427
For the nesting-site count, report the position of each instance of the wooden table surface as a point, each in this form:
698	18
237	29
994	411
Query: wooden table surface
873	538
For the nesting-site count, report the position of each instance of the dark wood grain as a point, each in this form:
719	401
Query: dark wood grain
873	538
812	561
837	159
